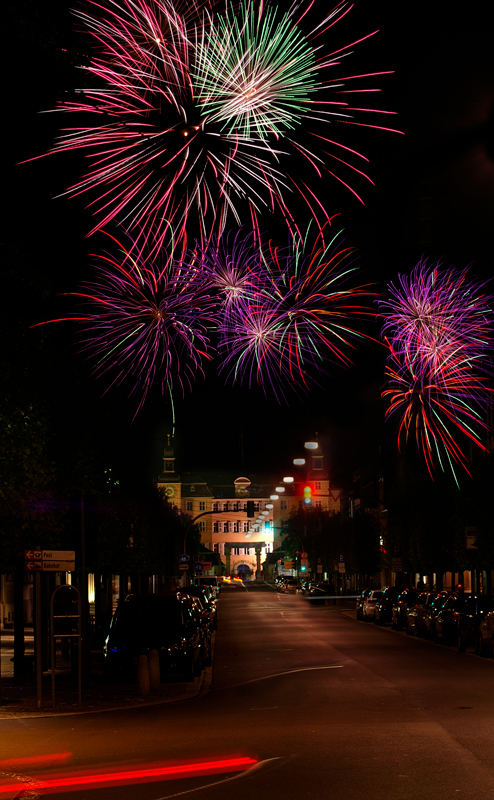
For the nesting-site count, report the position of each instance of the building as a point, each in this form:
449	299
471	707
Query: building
218	503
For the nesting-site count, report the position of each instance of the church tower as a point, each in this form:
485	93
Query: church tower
169	480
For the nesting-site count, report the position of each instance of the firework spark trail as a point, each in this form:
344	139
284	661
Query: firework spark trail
438	328
189	111
147	321
283	334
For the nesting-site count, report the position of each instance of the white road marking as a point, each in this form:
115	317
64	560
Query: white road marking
225	780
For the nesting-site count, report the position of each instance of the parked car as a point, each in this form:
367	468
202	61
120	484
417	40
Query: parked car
445	620
405	600
416	614
484	641
432	612
360	602
154	622
468	620
205	596
369	604
211	581
384	604
201	617
290	585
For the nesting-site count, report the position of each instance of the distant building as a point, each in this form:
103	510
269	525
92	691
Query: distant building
243	543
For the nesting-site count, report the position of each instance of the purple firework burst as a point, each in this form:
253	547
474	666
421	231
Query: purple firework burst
299	317
147	321
438	327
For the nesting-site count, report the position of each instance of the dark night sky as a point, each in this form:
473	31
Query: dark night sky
434	195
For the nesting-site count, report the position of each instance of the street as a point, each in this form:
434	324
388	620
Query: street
325	706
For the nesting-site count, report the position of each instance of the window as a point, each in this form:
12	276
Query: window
202	526
284	505
236	551
246	527
226	527
216	527
168	466
202	505
256	507
269	547
316	462
219	548
216	506
226	506
317	485
189	506
317	503
236	527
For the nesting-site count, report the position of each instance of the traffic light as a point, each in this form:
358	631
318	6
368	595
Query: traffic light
303	569
307	495
250	508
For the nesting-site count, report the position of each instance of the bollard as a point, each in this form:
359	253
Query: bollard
154	670
142	678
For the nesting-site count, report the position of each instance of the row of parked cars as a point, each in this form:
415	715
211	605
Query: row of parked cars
178	625
459	619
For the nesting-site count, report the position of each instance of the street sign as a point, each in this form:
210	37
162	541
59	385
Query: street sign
319	560
198	566
33	565
304	555
183	566
319	568
32	555
184	559
58	566
342	558
341	566
58	555
304	562
288	565
297	553
207	564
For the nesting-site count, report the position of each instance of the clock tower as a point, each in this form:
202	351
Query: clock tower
169	480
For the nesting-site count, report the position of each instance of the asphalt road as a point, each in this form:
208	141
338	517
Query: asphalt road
326	707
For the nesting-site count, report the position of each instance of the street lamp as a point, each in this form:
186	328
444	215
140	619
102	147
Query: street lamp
299	462
311	445
280	489
288	480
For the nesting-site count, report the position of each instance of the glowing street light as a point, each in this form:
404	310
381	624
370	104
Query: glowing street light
311	445
299	462
280	489
273	497
288	480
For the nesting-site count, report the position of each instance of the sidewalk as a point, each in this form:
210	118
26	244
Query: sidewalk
21	701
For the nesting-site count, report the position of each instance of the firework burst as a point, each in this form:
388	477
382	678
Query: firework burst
190	109
146	321
438	327
298	318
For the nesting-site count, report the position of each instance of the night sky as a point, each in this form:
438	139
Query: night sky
434	195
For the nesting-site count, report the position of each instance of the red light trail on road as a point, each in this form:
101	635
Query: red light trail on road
77	782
